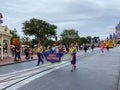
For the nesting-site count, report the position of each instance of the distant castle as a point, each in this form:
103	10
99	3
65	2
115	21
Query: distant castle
118	33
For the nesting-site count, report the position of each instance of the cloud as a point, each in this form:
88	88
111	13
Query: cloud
89	17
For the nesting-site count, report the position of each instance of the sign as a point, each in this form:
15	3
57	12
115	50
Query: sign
15	41
53	57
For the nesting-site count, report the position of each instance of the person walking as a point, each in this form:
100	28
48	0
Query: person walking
72	51
92	47
26	53
54	48
30	53
39	54
102	48
85	48
17	53
107	47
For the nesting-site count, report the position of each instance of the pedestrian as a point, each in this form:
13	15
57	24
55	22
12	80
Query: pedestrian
26	53
49	49
17	53
102	48
72	51
54	48
13	51
107	47
85	48
92	47
30	53
39	54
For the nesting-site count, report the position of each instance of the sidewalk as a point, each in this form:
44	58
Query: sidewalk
10	60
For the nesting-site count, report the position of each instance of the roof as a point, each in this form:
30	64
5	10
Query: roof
5	31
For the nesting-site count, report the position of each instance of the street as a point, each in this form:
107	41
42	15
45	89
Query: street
95	71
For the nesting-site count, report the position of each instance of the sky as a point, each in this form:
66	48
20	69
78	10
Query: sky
88	17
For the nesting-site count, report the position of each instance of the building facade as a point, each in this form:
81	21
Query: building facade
5	37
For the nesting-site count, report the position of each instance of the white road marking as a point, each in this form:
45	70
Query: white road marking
28	76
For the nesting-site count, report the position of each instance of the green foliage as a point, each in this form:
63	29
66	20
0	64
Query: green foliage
48	42
70	33
39	28
89	38
70	36
83	40
95	39
44	32
25	40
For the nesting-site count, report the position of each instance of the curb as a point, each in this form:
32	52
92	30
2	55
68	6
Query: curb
18	62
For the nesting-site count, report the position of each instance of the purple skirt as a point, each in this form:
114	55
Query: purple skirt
74	59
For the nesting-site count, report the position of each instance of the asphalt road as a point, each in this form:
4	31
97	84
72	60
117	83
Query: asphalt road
26	65
94	72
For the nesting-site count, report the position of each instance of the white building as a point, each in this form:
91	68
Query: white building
5	37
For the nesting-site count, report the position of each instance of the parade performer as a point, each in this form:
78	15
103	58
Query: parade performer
72	51
39	54
102	48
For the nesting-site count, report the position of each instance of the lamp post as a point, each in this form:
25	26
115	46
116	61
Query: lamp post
15	41
14	30
56	39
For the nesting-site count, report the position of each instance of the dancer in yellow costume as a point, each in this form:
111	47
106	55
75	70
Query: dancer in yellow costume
72	51
39	54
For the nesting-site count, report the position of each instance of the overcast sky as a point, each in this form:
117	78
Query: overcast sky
89	17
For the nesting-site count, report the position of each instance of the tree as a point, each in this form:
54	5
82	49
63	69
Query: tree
89	38
25	40
69	36
95	39
39	28
33	42
83	40
49	42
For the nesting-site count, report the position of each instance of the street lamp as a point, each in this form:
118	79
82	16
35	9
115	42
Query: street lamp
15	41
14	30
56	39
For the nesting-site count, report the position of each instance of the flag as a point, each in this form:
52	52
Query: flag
107	38
1	16
110	37
1	21
98	41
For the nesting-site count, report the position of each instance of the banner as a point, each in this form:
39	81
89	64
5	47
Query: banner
1	16
15	41
53	57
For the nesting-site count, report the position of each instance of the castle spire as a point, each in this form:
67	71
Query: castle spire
119	22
